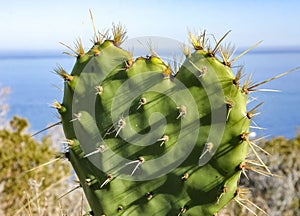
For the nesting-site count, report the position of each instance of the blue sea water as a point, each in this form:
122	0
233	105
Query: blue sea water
34	87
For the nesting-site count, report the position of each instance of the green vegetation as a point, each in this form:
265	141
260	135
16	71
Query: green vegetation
31	192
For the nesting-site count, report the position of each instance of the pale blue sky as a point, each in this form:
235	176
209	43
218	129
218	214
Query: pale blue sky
40	24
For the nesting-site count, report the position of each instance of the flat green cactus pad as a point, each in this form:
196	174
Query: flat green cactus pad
148	140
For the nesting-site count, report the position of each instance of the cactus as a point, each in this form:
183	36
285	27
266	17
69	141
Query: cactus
145	139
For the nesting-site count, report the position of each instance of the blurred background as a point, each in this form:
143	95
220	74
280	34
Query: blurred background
30	51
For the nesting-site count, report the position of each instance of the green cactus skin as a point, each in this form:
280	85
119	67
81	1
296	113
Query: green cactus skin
196	185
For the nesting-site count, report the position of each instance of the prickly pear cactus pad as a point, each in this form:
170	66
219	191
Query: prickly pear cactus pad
146	138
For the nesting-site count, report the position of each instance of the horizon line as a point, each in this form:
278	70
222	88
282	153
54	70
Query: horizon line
54	53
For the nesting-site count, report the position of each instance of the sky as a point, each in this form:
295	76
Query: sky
40	24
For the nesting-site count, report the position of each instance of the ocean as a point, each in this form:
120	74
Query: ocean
34	87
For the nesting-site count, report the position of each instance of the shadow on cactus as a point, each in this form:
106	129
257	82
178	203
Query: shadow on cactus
146	138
